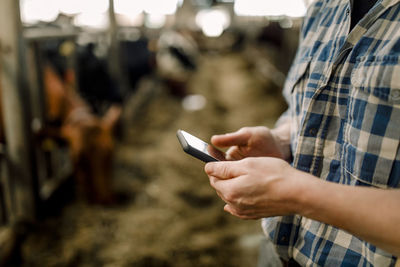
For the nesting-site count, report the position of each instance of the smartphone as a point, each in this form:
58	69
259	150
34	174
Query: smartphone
198	148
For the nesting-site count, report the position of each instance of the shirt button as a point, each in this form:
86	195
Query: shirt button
313	131
395	94
348	11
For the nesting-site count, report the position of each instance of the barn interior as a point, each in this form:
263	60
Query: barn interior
92	95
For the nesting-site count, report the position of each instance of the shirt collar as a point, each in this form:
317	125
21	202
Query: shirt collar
359	30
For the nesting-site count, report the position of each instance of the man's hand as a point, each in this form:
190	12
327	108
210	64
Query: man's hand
254	188
255	142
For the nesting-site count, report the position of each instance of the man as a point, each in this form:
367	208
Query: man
337	202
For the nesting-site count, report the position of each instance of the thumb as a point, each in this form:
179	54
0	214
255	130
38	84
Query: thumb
223	169
237	138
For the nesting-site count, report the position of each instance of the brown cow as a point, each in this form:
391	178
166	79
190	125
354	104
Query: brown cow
90	138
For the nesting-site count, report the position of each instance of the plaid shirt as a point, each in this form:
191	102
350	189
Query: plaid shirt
343	92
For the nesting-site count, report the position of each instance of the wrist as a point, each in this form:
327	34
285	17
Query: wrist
303	185
281	135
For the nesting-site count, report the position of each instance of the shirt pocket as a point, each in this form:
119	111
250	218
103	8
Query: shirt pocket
372	127
294	92
295	85
298	73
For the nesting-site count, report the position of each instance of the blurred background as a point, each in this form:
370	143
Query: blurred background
92	94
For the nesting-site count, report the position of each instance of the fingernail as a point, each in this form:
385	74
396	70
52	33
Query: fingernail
208	168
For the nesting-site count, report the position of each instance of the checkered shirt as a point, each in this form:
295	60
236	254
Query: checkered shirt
343	92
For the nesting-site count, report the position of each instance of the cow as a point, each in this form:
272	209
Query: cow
89	137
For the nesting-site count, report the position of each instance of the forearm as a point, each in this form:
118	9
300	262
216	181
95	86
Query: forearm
369	213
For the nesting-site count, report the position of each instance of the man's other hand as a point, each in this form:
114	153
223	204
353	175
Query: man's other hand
252	142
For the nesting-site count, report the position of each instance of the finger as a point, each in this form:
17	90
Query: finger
234	153
224	169
216	184
229	209
232	211
231	139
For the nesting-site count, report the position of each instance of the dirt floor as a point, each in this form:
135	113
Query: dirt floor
169	216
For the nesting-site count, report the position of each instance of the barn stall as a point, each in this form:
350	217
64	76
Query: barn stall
92	173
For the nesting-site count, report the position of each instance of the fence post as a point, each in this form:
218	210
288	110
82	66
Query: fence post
16	111
116	69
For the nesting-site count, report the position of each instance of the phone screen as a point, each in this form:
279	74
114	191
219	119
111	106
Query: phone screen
202	146
196	142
